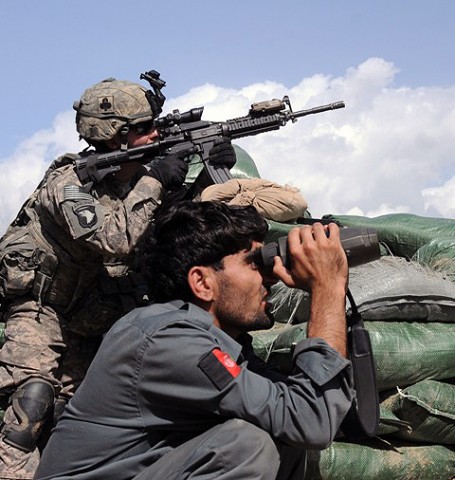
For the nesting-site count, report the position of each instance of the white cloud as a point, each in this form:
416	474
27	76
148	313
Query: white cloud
390	150
441	199
21	173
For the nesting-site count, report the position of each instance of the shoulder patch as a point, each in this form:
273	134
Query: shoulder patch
82	213
220	368
86	214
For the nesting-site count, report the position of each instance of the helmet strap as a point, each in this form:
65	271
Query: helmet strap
124	137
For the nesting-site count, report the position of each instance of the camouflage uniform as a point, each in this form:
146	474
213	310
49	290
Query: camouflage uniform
67	263
66	274
64	251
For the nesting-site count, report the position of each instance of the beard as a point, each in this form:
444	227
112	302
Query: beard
236	313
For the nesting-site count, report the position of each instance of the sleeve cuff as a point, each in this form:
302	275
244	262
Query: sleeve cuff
317	359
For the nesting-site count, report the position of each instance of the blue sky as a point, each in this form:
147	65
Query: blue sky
53	49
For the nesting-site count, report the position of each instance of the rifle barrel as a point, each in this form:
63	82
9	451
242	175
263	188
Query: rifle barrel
321	108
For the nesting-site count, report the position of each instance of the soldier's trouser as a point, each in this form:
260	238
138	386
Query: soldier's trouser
36	347
234	450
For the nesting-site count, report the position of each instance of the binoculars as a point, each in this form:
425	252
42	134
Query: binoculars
361	245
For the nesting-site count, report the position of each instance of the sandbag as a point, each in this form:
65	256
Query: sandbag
289	305
439	255
408	352
390	288
389	423
263	340
378	460
429	409
243	168
397	289
281	203
403	233
404	352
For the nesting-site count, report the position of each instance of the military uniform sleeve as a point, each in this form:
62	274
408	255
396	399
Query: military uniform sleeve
202	382
112	228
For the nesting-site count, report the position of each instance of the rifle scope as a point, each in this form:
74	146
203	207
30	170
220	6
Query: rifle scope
361	245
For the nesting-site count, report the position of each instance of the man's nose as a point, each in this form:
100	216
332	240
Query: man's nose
153	135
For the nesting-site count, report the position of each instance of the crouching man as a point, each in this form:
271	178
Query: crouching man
176	391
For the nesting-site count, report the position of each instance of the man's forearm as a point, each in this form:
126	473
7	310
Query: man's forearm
328	318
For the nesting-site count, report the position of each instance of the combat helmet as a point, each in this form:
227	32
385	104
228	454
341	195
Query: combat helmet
112	106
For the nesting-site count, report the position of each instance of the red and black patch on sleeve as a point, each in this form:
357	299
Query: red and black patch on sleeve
220	368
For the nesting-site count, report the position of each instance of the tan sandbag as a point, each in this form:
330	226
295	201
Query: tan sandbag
281	203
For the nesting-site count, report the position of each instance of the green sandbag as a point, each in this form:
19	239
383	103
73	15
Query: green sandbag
407	352
390	288
397	289
404	352
389	423
403	233
289	305
279	229
439	255
243	168
429	408
263	340
377	460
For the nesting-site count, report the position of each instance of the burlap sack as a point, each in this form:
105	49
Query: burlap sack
273	201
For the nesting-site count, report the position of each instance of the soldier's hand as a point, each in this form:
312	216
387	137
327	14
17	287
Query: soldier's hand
170	170
222	153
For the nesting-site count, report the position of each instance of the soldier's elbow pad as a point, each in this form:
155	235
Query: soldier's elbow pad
32	404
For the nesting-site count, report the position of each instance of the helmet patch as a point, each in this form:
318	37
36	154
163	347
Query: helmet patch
107	104
106	107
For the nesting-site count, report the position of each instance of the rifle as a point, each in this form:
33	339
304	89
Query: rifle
186	134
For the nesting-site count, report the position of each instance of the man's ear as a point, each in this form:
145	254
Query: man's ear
202	281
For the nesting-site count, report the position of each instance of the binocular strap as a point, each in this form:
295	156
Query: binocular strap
362	421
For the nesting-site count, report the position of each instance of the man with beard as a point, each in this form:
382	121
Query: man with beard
176	391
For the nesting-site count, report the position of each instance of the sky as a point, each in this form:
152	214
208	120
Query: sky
390	150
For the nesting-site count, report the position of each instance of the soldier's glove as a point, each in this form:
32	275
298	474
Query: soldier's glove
170	170
222	153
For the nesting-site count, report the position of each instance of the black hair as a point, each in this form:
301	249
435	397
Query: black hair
189	233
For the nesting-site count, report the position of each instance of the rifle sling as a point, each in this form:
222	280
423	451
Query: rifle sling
362	421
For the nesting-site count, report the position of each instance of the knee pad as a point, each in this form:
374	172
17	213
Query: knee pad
32	404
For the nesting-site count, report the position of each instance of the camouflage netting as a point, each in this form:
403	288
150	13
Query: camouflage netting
407	299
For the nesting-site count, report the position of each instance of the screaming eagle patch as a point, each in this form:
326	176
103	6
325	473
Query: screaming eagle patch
82	213
220	368
86	214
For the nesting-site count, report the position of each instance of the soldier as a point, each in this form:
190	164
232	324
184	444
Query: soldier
67	265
